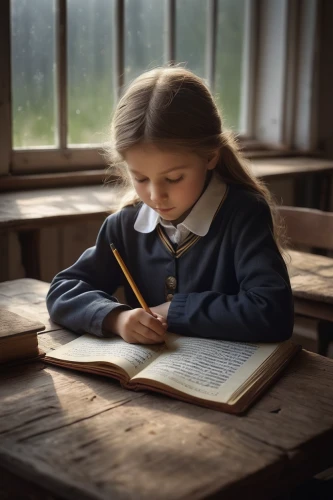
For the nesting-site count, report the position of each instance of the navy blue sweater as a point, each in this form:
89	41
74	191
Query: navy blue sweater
230	284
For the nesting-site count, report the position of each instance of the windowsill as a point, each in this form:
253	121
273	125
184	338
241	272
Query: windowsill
18	182
53	204
52	180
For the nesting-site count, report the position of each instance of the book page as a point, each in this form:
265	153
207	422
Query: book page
90	349
205	368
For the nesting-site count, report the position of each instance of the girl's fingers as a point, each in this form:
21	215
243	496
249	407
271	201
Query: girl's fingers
146	332
160	318
163	322
153	324
139	322
137	338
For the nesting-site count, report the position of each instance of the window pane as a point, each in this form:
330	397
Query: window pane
144	40
191	34
33	77
229	59
90	62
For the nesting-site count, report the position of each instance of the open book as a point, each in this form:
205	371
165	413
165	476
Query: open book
226	376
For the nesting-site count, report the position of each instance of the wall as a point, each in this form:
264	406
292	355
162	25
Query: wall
325	101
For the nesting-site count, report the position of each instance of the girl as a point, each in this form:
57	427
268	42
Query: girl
197	231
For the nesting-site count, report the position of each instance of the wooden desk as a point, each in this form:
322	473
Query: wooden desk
83	437
311	279
34	209
29	211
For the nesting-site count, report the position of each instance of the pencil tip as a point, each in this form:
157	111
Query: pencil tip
112	246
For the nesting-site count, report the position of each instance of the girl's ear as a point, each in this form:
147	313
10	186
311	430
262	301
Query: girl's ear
212	161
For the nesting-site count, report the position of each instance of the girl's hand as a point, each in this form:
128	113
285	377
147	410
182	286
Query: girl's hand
136	326
161	310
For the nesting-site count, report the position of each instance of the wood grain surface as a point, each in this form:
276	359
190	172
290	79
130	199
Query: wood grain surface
34	209
84	437
312	284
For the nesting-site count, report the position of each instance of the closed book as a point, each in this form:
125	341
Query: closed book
18	337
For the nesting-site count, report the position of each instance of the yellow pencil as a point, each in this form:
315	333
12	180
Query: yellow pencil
130	279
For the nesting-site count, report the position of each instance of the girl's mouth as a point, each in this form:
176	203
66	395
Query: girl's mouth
163	210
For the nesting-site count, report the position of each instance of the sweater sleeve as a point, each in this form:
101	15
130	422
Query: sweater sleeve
262	310
80	297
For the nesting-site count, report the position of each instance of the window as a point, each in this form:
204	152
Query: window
89	70
33	83
229	60
70	59
144	36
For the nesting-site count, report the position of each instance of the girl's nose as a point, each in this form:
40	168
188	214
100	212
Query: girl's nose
157	194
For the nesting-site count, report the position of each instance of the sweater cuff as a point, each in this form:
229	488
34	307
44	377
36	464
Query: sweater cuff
176	319
98	318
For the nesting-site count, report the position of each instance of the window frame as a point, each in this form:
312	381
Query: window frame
284	122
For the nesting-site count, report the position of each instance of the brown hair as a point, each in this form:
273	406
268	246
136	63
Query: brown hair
173	107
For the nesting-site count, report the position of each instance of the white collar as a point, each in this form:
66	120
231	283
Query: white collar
198	220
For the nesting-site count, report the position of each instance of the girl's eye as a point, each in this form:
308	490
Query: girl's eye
140	180
172	181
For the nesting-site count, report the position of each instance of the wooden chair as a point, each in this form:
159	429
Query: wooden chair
312	229
308	227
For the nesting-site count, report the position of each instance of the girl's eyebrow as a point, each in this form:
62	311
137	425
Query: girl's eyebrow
164	172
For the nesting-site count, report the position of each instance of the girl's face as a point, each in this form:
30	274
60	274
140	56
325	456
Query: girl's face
168	182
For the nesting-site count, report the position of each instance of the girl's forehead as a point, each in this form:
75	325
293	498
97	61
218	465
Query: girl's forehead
151	153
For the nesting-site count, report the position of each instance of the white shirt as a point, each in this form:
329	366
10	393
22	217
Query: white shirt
198	220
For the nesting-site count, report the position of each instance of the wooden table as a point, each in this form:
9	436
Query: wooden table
311	279
29	211
84	437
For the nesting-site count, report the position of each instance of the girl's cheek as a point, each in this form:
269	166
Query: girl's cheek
139	189
144	194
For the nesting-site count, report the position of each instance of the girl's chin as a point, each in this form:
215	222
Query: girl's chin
175	220
172	215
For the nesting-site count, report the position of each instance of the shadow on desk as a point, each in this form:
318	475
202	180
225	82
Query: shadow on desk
73	433
70	431
13	487
83	437
313	489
